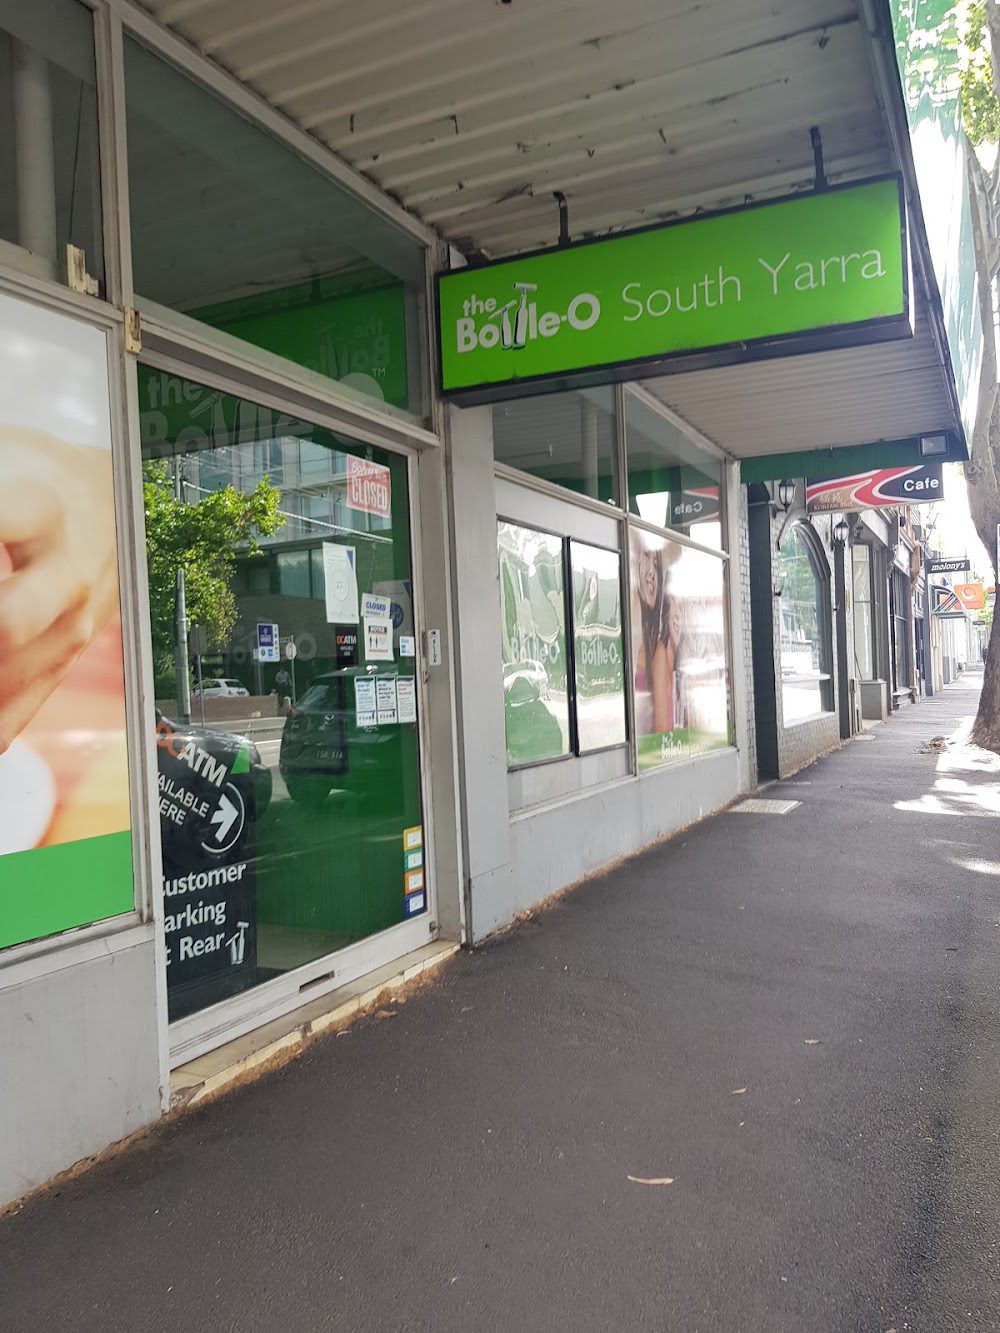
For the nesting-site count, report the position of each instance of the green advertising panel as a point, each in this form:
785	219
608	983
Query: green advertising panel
598	652
823	268
351	331
533	632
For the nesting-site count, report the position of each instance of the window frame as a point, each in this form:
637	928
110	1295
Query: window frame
168	329
569	620
625	521
820	568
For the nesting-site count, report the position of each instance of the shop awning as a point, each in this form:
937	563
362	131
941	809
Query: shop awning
473	116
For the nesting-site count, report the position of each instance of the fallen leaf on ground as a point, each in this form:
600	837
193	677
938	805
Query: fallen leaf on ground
651	1180
385	1013
737	1092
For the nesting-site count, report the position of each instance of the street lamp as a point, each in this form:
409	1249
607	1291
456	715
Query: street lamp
786	494
841	532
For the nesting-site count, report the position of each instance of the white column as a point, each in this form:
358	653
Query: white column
33	152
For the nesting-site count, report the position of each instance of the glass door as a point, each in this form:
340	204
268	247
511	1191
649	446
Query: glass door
284	651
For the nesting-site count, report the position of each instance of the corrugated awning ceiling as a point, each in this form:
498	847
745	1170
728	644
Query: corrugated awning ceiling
472	112
820	400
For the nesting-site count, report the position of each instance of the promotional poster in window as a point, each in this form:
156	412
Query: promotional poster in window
65	840
678	650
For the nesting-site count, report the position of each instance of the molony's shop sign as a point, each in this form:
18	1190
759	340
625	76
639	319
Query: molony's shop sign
828	268
920	484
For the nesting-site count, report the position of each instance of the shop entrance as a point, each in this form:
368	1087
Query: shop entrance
284	655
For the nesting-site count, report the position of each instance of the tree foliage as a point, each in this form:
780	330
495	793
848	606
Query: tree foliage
203	539
980	109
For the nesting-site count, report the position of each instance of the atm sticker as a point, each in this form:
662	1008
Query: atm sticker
413	860
413	880
407	645
415	903
413	837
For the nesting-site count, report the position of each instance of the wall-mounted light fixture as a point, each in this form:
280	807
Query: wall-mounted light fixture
786	494
841	532
933	446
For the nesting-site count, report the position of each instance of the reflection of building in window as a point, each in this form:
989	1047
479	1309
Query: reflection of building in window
802	576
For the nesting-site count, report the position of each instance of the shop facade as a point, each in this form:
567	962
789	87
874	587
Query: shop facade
218	790
348	656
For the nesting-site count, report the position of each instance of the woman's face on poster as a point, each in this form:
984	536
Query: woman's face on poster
649	578
676	621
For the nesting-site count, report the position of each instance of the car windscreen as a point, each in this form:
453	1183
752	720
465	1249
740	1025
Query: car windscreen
320	694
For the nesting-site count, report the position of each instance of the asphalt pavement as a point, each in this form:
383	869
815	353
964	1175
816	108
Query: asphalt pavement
793	1018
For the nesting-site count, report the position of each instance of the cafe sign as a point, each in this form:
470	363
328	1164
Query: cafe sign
920	484
825	269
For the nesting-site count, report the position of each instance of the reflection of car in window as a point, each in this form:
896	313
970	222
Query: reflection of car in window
322	747
533	732
225	746
215	687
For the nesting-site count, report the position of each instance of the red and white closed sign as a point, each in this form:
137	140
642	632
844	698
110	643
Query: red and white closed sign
369	487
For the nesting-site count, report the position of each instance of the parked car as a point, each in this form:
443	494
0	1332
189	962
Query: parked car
218	687
253	779
323	748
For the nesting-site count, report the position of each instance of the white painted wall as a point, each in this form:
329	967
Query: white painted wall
557	845
79	1063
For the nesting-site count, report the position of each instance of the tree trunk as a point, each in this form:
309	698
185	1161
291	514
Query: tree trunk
981	469
986	729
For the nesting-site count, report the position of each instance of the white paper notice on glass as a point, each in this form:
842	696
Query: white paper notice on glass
375	605
406	698
378	639
340	579
385	700
364	701
407	645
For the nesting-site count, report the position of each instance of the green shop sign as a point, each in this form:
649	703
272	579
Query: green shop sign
828	269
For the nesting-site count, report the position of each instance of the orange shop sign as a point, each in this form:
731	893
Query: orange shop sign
971	595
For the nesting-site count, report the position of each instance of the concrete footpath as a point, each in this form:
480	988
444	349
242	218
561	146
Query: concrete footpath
794	1017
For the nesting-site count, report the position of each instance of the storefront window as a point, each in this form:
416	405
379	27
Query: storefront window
49	166
901	629
864	618
803	606
598	655
533	631
285	680
671	482
233	228
678	649
567	438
